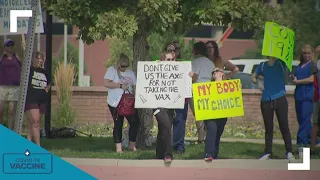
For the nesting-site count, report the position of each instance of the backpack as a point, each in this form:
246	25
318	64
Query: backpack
63	132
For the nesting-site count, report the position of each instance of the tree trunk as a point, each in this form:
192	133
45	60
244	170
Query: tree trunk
140	54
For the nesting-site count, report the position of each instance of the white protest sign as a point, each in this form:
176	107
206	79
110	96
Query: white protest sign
188	79
22	22
161	85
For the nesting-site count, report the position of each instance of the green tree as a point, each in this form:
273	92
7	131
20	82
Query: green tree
73	58
156	42
98	19
303	18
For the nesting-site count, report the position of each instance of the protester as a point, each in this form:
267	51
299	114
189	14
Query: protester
304	92
37	96
10	71
202	68
273	99
214	55
119	79
316	106
165	119
179	122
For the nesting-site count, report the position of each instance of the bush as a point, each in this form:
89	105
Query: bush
64	79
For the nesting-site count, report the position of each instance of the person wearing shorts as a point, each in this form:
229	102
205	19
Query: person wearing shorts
10	71
37	96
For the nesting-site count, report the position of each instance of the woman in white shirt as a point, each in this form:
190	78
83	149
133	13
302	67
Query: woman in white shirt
119	79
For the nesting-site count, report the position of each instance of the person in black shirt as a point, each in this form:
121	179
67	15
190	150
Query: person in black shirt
37	95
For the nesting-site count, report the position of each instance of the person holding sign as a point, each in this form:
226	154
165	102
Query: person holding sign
180	119
273	99
202	68
119	80
10	71
304	94
165	119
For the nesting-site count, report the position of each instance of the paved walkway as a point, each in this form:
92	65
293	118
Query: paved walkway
229	169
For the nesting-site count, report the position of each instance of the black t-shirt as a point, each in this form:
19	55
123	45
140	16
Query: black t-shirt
38	81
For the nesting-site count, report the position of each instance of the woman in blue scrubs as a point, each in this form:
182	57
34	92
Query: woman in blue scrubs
304	78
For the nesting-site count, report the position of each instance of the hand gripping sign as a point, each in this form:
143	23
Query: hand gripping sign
220	99
278	42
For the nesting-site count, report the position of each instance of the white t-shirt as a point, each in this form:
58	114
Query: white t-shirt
127	77
203	67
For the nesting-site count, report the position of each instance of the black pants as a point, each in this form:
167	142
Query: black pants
164	137
118	125
280	106
214	129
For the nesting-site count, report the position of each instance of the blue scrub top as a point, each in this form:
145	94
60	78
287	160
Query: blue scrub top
274	80
305	91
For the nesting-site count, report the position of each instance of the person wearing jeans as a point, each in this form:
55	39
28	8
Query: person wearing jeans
202	68
179	128
273	99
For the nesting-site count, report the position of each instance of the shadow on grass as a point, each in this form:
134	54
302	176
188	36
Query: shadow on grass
103	147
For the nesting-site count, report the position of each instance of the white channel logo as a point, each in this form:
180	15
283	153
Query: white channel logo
305	165
14	14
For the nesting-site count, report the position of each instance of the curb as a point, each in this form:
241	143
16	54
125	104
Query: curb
216	164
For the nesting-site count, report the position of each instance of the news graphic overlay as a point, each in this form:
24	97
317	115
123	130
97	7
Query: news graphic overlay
27	163
22	159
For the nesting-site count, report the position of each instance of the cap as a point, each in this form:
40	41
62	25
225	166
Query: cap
8	42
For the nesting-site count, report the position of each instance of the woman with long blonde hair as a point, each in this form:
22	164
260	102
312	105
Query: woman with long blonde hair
304	94
119	79
37	96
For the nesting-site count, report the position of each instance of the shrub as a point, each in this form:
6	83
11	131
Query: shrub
64	79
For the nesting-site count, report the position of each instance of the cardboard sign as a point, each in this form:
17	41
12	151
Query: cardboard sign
161	84
279	42
219	99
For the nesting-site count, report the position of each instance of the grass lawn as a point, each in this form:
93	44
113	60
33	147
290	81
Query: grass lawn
103	147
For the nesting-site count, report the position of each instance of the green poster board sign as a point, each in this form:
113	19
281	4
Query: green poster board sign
279	42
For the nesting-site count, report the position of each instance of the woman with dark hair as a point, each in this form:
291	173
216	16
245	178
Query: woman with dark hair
37	96
273	100
180	119
214	55
304	94
202	68
165	119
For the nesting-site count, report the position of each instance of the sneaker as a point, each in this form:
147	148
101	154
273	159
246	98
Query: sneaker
167	159
208	158
290	156
265	157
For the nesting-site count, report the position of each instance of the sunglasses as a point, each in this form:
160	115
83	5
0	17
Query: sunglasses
170	59
124	66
